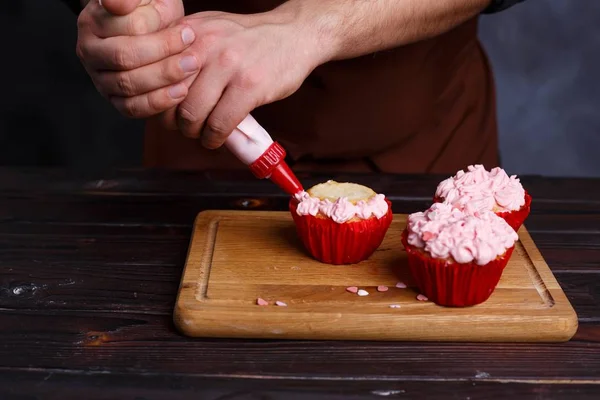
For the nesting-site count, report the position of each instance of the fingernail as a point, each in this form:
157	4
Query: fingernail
177	91
188	35
189	64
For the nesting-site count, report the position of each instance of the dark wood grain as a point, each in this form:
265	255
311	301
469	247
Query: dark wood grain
90	266
61	384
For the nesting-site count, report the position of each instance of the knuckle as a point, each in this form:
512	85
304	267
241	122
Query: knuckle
187	114
167	47
138	25
229	58
157	103
207	40
83	20
125	85
81	51
123	58
171	71
249	79
131	108
218	125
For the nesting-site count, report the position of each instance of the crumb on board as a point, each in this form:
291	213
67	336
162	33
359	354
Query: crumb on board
262	302
352	289
280	303
394	305
362	292
422	297
401	285
382	288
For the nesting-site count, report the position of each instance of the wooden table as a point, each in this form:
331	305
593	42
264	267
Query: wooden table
90	266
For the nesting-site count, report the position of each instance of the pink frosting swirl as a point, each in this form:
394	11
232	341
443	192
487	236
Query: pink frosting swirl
341	210
479	190
447	232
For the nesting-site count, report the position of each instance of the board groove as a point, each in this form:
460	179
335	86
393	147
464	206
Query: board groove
535	277
237	256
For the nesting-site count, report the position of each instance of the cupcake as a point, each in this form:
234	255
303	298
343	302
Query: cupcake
456	258
341	223
480	190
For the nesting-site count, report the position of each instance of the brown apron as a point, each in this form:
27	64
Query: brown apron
428	107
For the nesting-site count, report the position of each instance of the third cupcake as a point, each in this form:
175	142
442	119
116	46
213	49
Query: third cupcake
480	190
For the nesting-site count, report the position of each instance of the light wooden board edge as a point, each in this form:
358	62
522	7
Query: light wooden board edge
196	318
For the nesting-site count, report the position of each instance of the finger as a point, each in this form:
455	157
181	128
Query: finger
203	95
231	109
122	7
150	77
168	119
125	53
142	20
150	104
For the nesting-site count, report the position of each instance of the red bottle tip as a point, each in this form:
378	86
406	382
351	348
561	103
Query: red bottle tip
271	164
283	177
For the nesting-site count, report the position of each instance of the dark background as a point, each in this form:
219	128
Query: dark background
545	55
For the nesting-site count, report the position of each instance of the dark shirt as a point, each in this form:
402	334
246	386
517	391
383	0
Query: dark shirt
496	6
424	107
500	5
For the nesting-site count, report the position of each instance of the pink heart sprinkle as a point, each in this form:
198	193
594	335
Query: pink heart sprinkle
382	288
262	302
428	236
401	285
422	297
280	303
352	289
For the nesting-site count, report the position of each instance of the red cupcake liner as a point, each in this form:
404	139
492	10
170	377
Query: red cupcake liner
345	243
453	284
514	218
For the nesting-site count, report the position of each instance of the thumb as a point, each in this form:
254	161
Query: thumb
122	7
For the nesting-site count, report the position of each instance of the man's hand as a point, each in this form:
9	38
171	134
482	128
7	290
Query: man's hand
135	54
246	61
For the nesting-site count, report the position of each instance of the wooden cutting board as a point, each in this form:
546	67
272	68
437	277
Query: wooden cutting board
236	257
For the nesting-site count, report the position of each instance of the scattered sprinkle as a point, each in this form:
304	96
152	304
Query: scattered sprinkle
401	285
382	288
296	268
394	305
262	302
422	297
352	289
280	303
363	293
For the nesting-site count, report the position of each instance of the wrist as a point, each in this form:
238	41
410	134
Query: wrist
314	28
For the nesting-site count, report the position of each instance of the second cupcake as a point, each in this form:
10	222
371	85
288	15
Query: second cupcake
341	223
457	258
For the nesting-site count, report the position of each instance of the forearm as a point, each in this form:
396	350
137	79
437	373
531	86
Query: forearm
351	28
